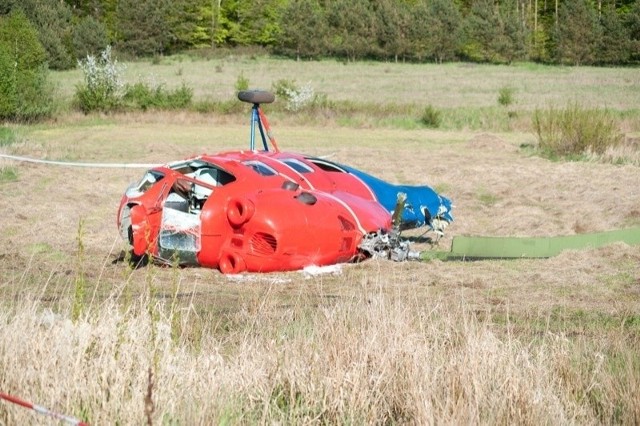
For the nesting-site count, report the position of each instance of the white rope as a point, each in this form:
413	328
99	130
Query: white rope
73	164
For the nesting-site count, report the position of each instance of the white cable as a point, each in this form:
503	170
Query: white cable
72	164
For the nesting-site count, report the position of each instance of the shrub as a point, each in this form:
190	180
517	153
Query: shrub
242	83
282	86
143	96
431	117
297	98
575	131
300	98
505	96
180	97
103	87
25	93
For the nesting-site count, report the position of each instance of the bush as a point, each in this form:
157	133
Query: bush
25	93
103	87
242	83
282	86
144	96
505	96
297	98
575	131
431	117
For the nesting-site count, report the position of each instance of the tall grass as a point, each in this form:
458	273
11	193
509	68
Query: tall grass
369	358
576	131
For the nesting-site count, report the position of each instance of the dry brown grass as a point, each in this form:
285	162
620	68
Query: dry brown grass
525	341
374	357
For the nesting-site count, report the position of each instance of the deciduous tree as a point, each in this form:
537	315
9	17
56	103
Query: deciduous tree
190	23
25	93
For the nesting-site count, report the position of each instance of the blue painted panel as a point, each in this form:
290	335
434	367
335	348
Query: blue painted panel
422	205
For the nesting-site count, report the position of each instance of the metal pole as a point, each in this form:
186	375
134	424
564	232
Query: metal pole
254	119
42	410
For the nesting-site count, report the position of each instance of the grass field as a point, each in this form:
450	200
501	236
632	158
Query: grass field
375	94
524	341
456	85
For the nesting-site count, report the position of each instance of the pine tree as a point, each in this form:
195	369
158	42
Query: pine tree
577	33
53	21
251	22
481	32
89	37
351	25
614	45
632	26
443	25
190	24
303	30
394	20
512	42
142	26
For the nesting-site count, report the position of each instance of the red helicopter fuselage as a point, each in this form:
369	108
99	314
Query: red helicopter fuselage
256	211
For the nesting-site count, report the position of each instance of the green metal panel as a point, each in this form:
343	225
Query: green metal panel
515	247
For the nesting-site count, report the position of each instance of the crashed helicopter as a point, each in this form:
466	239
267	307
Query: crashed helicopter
265	210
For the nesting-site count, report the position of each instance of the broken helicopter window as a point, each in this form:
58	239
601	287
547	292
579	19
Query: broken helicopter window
327	166
148	180
203	171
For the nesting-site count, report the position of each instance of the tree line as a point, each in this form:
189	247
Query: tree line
574	32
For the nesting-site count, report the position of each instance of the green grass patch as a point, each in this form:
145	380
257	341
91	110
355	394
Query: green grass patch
45	252
569	321
7	136
8	174
486	198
